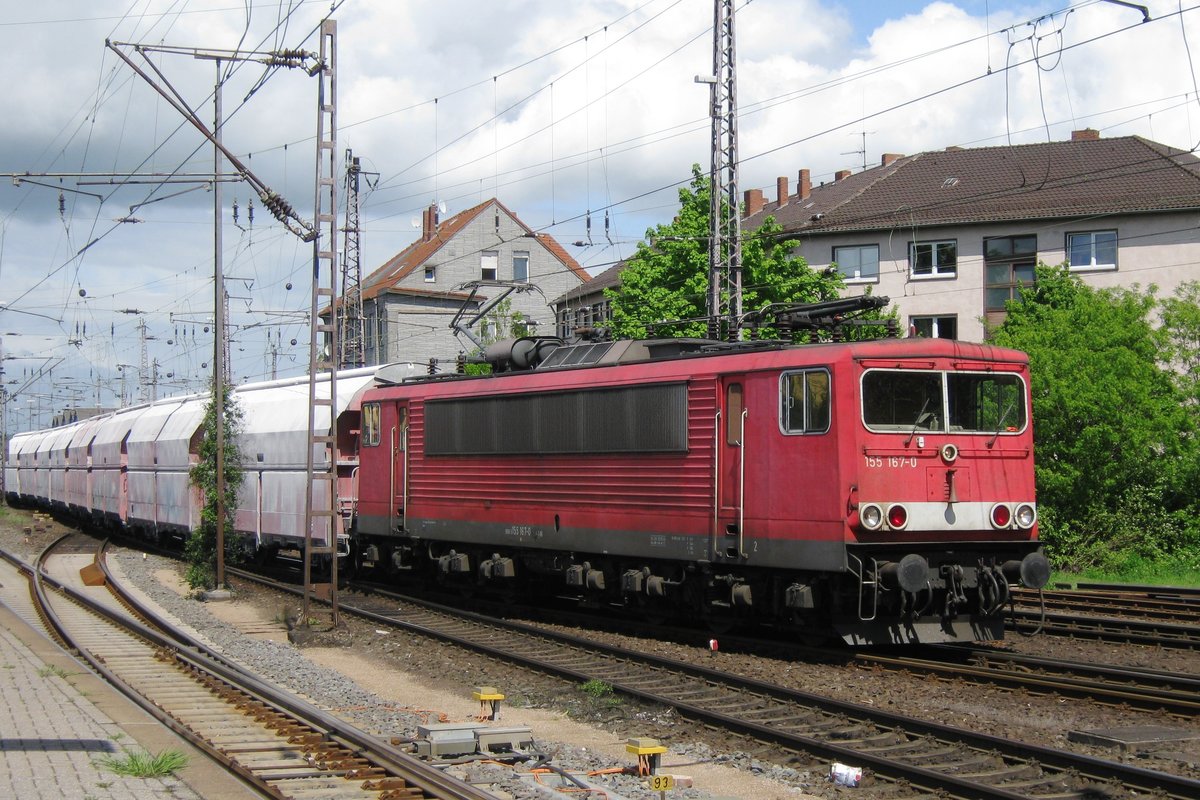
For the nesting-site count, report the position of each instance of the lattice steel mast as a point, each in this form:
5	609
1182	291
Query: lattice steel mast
353	332
725	226
321	519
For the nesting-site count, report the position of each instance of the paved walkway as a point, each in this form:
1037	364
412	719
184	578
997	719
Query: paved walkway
54	730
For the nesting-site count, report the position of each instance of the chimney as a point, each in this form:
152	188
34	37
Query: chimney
803	185
1085	135
754	201
889	158
429	223
781	191
841	175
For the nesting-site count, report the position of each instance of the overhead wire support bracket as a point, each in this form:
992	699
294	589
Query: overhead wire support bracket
275	203
509	287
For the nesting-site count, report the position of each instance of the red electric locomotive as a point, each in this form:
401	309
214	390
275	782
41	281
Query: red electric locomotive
882	489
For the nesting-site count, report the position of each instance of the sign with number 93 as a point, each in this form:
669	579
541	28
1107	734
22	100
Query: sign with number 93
662	783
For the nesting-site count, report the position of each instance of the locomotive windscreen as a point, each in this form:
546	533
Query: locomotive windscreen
641	419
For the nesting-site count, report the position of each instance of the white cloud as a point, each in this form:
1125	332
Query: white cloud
624	118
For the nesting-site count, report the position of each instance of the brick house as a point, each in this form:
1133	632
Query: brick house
459	264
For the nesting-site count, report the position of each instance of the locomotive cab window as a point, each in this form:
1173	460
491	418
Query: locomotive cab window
804	401
911	401
370	424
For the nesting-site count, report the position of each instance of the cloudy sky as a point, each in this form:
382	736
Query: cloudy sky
565	111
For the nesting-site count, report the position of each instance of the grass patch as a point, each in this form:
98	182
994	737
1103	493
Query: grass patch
143	765
597	689
1156	575
601	694
51	669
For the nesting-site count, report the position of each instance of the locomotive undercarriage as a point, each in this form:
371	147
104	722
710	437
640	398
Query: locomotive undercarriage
884	597
890	598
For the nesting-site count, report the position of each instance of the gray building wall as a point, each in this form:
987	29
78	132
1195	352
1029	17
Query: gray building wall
1161	249
416	327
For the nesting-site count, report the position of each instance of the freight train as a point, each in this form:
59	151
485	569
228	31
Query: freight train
878	490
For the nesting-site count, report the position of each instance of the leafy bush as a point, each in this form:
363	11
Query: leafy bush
1116	413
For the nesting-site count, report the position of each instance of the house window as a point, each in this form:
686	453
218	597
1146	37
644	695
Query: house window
1009	263
521	265
935	327
1092	250
858	263
430	273
933	259
604	312
804	401
489	262
566	323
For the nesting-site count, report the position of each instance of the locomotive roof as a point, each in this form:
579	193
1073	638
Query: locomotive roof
586	356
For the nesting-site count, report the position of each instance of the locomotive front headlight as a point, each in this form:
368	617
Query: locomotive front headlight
1001	516
1025	515
871	516
897	517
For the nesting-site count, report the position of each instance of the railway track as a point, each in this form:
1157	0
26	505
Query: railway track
1178	606
276	742
1128	630
931	756
1157	691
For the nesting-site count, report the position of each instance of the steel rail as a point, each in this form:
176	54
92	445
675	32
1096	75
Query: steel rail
1107	629
1170	693
1171	608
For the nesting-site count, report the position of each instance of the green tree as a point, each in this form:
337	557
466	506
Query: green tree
201	548
1181	323
667	279
1114	445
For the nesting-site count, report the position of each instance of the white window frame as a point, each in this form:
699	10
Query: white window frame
517	257
936	270
857	277
489	261
934	320
1092	265
431	273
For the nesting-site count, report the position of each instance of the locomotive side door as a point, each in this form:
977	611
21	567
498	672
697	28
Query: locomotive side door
398	481
732	419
